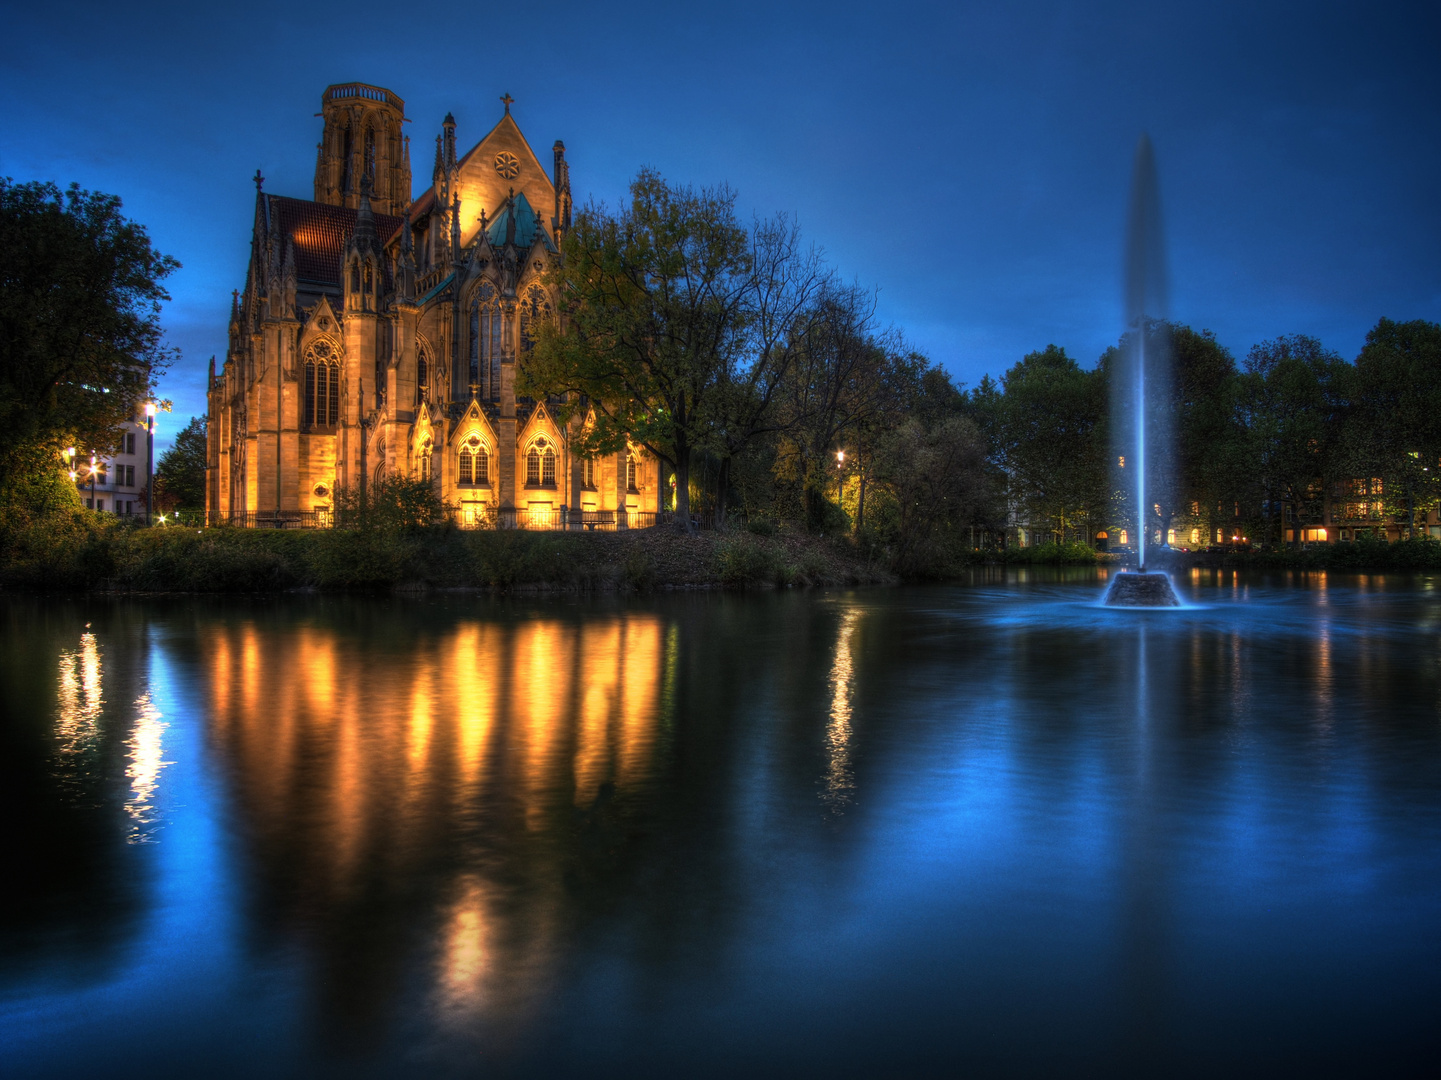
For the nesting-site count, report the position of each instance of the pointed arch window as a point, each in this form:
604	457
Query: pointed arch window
422	374
485	342
370	152
322	384
540	464
474	464
423	461
630	472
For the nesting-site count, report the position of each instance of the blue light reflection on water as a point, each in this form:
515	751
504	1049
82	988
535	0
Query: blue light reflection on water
993	826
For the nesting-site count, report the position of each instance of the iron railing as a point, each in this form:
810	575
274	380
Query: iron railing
476	516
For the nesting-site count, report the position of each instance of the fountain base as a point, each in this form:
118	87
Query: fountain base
1141	590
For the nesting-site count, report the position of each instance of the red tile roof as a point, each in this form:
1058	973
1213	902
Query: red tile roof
319	233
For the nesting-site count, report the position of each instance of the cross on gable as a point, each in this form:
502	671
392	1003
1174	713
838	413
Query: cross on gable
508	100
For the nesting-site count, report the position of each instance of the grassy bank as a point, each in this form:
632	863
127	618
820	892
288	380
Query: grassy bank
84	551
1362	555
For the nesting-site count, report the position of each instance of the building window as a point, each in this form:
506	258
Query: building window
130	442
534	310
474	464
422	377
540	464
485	342
587	474
630	472
322	384
129	475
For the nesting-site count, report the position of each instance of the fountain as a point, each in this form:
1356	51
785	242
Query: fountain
1140	373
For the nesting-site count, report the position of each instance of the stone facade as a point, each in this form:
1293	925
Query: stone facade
379	336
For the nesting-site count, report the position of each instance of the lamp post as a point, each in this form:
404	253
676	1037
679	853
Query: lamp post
149	458
840	476
92	481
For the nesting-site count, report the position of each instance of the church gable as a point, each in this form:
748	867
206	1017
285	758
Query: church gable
501	162
539	423
473	422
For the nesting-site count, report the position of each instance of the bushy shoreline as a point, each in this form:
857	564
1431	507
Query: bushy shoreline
78	553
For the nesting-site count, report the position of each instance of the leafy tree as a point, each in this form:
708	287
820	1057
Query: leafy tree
1196	449
1294	396
937	478
80	336
655	298
1050	437
1395	432
180	473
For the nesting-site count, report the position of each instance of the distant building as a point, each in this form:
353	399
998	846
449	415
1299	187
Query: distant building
377	336
116	484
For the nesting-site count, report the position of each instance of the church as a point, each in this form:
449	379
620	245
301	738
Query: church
378	336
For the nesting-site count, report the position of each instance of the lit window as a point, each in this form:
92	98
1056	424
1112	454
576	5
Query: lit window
474	463
322	384
630	472
540	464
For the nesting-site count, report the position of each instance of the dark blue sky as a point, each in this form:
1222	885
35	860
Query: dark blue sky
969	161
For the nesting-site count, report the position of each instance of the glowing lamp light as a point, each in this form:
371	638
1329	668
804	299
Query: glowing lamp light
840	457
150	409
70	451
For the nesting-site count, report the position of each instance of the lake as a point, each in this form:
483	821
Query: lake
989	828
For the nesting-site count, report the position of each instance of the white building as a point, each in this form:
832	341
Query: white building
116	484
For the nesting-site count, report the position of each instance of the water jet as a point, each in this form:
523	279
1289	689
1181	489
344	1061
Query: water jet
1145	285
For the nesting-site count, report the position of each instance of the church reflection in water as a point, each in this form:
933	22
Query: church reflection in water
456	784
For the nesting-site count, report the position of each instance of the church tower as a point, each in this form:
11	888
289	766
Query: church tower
363	137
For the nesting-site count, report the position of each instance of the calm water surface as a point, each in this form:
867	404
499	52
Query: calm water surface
989	829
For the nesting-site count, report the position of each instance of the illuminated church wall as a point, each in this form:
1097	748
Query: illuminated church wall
375	334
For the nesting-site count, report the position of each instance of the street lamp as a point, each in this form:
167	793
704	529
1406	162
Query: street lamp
840	476
92	481
149	458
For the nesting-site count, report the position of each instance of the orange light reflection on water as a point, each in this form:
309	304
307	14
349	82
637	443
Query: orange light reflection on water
353	756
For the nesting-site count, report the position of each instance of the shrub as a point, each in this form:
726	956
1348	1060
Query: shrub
741	561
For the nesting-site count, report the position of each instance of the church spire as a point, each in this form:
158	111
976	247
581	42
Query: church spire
455	225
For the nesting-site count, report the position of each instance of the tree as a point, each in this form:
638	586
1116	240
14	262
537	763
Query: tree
841	384
782	314
937	477
1196	450
80	336
655	303
1051	438
1294	397
1395	433
180	474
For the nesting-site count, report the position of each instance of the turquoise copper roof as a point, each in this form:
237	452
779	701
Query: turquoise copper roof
527	223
